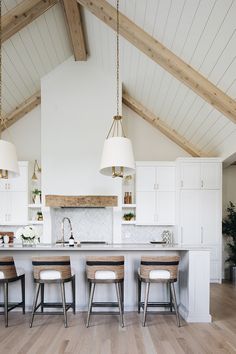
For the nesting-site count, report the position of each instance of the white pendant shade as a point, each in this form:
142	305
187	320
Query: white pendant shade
117	152
8	158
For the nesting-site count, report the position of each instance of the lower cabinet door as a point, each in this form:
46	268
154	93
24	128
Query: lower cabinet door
146	208
165	208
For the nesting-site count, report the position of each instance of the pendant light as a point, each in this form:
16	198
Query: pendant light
117	157
8	159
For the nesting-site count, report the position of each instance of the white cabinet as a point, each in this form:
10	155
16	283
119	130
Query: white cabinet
155	194
199	206
200	175
14	198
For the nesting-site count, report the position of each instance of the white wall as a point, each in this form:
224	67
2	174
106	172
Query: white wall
78	103
26	135
148	142
229	186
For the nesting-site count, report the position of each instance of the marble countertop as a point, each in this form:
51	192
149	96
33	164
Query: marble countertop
103	247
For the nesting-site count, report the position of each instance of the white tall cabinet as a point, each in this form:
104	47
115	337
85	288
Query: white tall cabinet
155	193
14	198
199	201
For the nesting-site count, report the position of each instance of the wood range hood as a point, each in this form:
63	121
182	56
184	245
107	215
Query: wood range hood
81	201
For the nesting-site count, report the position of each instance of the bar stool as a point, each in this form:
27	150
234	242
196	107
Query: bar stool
106	270
158	270
8	274
52	270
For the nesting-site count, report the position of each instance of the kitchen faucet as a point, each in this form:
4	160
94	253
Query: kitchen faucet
63	228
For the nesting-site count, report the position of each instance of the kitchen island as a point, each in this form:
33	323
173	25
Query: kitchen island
192	288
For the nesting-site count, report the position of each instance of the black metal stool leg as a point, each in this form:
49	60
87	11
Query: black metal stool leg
118	293
139	294
171	299
35	303
92	289
175	303
64	303
6	303
122	294
73	293
42	296
146	303
23	293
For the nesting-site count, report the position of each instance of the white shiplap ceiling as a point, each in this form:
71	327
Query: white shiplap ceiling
201	32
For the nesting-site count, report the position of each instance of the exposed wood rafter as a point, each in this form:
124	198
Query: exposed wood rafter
21	110
73	16
160	125
21	15
164	57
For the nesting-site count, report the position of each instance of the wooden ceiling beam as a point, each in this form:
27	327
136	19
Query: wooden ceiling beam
160	125
164	57
21	110
74	21
21	15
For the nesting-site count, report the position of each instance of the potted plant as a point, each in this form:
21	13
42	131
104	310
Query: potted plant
36	196
28	235
229	231
128	216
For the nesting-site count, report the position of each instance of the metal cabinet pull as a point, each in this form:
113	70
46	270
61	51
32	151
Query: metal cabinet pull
181	231
182	184
201	234
202	183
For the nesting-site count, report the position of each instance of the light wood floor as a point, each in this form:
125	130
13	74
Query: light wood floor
48	336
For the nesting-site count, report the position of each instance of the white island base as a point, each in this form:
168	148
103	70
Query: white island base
192	288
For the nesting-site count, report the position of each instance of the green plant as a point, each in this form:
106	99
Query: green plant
128	216
229	230
36	191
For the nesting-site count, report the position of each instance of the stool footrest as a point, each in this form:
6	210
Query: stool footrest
11	306
156	304
105	304
104	313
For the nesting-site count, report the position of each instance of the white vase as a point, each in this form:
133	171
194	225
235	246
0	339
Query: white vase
37	199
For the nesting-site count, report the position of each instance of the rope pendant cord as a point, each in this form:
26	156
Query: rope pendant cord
117	59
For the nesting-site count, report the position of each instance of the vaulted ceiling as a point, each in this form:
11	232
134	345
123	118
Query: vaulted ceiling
200	32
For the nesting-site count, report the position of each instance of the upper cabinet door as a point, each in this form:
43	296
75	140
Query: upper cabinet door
165	178
190	175
145	178
20	183
211	175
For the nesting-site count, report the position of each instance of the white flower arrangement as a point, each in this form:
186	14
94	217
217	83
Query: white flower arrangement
27	234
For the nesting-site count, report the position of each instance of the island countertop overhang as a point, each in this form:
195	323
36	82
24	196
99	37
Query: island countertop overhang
104	247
